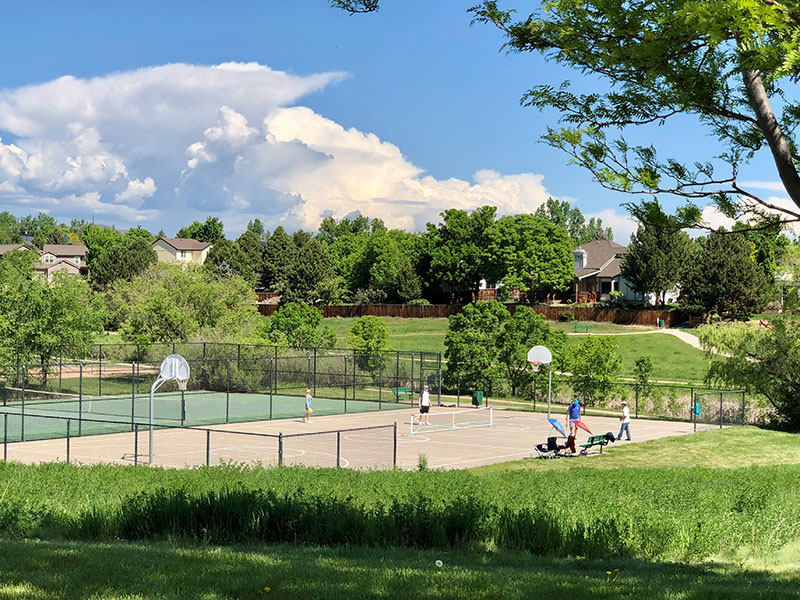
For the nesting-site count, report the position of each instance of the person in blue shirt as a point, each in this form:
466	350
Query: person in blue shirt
573	414
309	398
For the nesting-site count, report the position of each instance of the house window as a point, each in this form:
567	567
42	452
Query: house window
77	260
48	259
183	253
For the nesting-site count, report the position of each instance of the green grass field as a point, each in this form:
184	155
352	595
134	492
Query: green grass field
37	570
673	360
728	501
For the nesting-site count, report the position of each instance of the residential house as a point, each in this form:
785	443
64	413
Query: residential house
11	247
180	250
597	273
69	258
55	258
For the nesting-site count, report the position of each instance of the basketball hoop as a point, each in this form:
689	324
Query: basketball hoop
535	364
182	383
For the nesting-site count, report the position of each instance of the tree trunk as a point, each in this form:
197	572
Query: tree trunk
768	124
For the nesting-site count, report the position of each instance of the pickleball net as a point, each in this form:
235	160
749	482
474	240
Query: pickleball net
451	420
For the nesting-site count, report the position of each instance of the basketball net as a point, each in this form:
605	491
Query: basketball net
182	384
535	366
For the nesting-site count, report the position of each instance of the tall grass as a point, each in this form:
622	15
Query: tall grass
673	514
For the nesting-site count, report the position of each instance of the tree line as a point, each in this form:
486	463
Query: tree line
355	259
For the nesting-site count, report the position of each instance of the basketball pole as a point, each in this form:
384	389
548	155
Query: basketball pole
153	388
549	386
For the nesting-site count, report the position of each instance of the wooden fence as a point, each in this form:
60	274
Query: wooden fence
648	318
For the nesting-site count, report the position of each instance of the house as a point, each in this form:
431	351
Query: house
597	273
69	258
11	247
180	250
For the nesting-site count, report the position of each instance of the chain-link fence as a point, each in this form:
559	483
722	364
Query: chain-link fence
654	400
36	438
225	390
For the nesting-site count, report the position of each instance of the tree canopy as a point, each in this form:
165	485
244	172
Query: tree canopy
655	259
730	63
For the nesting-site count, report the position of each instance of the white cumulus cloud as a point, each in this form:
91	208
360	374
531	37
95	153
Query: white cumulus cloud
165	145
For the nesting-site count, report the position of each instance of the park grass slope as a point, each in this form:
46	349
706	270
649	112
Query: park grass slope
644	512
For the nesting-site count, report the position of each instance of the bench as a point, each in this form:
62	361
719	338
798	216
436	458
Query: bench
402	392
598	440
582	328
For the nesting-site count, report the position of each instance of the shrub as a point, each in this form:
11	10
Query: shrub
566	316
419	302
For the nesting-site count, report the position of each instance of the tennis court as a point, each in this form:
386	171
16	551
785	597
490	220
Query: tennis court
110	414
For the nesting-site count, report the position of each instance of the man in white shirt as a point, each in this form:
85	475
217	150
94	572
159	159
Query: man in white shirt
625	422
424	405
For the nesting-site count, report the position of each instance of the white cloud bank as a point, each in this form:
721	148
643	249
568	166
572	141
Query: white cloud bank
165	145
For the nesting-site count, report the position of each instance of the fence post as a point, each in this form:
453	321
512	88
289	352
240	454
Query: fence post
204	352
439	378
100	369
133	394
412	372
208	447
135	444
238	356
394	445
69	422
744	411
5	437
691	398
315	372
24	382
637	400
694	411
397	372
720	410
280	449
354	375
227	389
458	389
338	448
80	399
380	379
271	381
344	380
60	363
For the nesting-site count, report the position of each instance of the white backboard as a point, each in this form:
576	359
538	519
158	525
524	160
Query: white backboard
174	367
540	354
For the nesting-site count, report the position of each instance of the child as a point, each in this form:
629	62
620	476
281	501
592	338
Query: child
309	398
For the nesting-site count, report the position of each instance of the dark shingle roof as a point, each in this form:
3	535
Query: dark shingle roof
600	252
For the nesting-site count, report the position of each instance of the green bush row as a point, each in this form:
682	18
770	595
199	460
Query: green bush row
664	514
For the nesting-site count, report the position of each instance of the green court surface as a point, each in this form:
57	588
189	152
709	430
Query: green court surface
47	419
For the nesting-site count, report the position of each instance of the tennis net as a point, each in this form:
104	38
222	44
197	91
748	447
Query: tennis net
459	419
125	407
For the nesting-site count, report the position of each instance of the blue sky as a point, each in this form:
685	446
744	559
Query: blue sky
396	114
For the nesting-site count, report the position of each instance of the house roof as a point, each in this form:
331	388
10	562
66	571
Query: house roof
602	258
184	244
9	247
65	249
599	252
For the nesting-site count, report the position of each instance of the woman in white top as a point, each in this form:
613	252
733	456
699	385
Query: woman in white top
625	421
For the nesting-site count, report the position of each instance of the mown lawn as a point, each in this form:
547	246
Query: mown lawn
673	360
36	570
720	448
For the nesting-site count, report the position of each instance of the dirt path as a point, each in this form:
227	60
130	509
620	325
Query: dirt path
681	335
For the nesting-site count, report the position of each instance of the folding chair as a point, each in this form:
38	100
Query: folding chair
548	450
